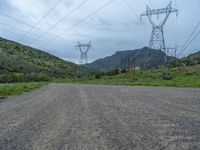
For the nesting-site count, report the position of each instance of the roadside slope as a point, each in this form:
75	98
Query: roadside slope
20	63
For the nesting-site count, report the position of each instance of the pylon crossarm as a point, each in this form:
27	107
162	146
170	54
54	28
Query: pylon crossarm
78	47
151	12
88	47
152	23
165	20
159	11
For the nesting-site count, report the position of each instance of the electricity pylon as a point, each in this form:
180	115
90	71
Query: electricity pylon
157	36
83	48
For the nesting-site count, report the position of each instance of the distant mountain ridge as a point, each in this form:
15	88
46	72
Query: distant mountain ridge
143	58
20	60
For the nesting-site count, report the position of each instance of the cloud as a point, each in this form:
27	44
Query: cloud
113	28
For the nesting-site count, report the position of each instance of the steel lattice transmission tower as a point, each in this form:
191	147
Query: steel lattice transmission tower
83	48
157	36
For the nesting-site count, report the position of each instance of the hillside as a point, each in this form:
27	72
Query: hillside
192	59
22	63
143	58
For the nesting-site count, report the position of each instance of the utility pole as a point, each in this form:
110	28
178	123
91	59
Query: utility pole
157	36
129	67
83	48
173	53
122	63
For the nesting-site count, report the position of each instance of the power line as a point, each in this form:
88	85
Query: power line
18	29
8	31
32	3
67	15
151	3
190	42
135	13
189	38
40	20
176	4
131	8
11	27
83	20
179	38
21	22
15	19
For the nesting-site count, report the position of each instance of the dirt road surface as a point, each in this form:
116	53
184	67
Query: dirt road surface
98	117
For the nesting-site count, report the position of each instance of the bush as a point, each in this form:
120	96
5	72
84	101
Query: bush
97	76
113	72
103	74
23	77
167	76
123	71
42	77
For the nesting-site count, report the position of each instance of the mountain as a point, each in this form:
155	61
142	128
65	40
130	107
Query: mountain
143	58
192	59
19	62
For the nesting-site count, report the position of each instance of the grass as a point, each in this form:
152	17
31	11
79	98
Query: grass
180	77
17	89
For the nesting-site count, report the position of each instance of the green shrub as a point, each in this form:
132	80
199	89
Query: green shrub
97	76
167	76
42	77
123	71
113	72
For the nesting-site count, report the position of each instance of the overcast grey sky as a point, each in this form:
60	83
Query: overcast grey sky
116	27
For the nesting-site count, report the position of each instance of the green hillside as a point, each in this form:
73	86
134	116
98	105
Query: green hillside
184	73
192	59
20	63
185	76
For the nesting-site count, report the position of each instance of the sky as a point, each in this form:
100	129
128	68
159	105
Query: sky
115	27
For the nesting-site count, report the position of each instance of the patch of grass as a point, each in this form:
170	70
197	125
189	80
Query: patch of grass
19	88
179	77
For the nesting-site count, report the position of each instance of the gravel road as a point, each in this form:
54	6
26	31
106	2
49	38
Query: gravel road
98	117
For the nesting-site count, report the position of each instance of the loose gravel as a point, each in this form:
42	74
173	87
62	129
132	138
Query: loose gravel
100	117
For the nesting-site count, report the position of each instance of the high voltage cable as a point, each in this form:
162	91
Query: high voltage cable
67	15
33	35
190	42
189	38
180	38
70	28
176	4
184	35
9	31
40	20
193	39
17	20
131	8
176	33
12	27
32	3
151	3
